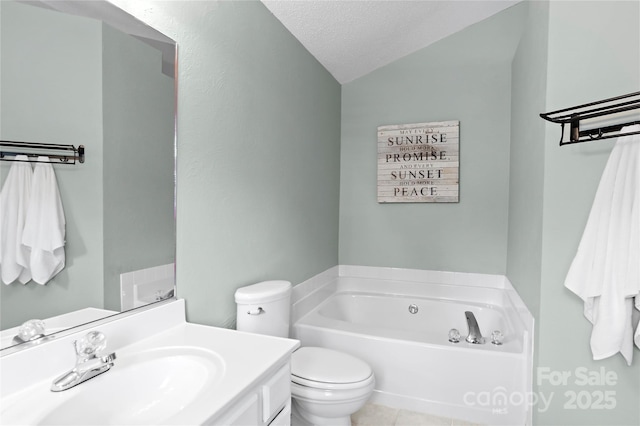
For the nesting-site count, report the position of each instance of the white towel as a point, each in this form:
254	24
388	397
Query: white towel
636	337
606	270
44	229
14	201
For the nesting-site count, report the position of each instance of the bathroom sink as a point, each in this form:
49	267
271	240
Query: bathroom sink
147	387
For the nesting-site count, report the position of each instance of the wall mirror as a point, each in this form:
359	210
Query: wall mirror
87	73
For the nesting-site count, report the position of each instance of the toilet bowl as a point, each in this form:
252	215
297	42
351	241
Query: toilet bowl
327	386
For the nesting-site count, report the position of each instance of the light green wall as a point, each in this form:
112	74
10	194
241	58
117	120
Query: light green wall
594	53
465	77
258	153
52	93
259	148
550	189
526	169
138	105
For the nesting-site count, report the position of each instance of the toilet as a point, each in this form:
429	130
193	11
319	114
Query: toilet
327	386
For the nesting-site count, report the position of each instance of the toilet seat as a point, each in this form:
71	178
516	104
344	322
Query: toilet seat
332	386
323	368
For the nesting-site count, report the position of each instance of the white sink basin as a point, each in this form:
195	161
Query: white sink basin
147	387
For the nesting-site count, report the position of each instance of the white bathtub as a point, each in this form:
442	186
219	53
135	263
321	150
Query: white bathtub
365	312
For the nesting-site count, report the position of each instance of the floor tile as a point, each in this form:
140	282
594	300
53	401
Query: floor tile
381	415
411	418
375	415
464	423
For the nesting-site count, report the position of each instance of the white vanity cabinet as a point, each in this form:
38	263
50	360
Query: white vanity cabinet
268	403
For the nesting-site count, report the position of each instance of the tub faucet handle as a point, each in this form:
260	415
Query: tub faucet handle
497	337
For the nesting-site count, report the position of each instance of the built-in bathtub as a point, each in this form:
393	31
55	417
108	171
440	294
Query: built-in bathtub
398	321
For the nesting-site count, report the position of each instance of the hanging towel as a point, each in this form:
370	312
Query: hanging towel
637	335
44	229
14	201
605	272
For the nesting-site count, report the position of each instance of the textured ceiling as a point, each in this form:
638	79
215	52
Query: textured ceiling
353	38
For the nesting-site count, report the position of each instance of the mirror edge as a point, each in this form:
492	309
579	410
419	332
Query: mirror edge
81	327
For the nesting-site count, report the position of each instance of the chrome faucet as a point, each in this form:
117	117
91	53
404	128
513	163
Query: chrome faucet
163	295
88	362
474	336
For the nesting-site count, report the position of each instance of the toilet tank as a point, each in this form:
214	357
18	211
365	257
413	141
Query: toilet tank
264	308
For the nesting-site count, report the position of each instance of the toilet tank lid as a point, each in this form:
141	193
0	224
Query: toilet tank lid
263	292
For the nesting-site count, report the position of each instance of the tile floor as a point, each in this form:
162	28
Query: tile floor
380	415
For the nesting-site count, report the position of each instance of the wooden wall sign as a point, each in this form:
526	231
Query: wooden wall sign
419	163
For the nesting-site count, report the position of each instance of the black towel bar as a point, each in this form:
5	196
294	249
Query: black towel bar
62	154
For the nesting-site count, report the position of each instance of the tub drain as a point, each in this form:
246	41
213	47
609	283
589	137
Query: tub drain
413	309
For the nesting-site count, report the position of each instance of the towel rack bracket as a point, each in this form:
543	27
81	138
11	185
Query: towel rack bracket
602	108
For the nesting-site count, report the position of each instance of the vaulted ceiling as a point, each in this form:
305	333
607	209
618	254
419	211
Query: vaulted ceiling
353	38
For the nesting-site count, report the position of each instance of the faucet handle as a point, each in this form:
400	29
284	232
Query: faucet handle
454	335
30	330
88	346
497	337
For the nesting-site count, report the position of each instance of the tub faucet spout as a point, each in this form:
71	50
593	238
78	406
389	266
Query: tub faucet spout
474	336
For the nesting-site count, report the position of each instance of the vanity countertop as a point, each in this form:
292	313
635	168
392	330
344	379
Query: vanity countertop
234	361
